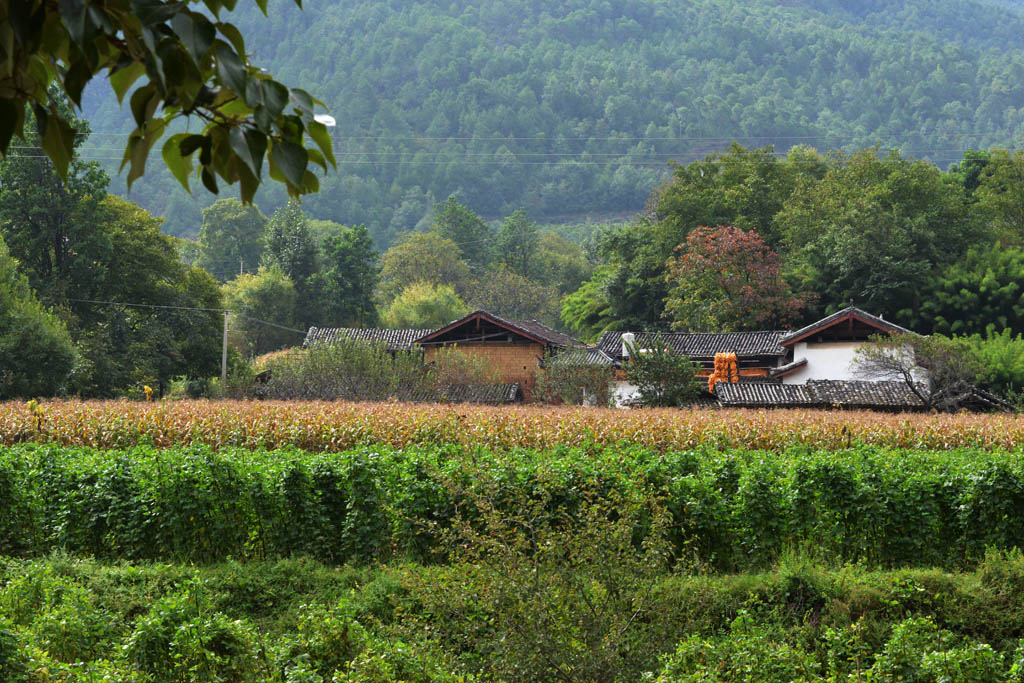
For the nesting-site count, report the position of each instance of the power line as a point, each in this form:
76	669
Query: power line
543	138
189	308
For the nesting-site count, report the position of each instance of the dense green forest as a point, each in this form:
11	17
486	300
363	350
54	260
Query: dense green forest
893	184
574	109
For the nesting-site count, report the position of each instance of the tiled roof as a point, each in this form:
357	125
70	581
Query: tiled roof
530	328
702	344
786	369
873	320
820	393
763	394
539	329
589	356
394	340
490	394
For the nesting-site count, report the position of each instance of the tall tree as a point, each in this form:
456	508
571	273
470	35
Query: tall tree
461	225
999	192
424	305
36	353
510	295
349	278
267	296
875	230
155	336
983	290
422	257
516	243
728	280
50	223
291	247
741	187
231	238
587	311
81	246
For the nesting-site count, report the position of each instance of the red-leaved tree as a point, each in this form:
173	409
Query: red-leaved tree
726	279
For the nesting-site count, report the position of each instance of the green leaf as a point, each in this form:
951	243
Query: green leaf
143	103
12	116
242	149
310	183
248	184
196	33
59	143
191	142
76	79
231	69
233	35
275	97
138	149
209	180
122	79
291	160
179	164
322	137
303	102
74	15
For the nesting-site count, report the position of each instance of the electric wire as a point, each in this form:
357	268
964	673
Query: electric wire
189	308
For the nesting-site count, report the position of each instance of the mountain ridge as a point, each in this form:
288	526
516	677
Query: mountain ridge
579	107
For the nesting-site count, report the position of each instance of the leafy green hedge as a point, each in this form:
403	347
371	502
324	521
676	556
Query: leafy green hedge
291	621
733	510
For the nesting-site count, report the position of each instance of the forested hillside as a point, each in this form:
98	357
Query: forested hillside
573	109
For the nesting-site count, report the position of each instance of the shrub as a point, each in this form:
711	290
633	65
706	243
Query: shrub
557	592
568	379
450	366
347	371
13	662
327	639
179	639
749	652
662	378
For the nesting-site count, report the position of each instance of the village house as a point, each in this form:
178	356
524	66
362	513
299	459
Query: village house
809	367
513	348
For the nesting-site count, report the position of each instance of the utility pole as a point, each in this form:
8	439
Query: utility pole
224	353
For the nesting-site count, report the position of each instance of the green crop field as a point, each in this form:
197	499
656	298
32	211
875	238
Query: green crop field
232	542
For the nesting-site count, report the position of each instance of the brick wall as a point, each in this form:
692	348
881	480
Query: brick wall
515	362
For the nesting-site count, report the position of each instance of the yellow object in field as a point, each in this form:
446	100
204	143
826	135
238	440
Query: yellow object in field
726	370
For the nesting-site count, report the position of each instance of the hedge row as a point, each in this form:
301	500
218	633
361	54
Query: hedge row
297	621
734	510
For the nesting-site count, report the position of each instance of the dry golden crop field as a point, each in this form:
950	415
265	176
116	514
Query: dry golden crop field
319	426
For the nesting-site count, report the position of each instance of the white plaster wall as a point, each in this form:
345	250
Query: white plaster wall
623	393
825	360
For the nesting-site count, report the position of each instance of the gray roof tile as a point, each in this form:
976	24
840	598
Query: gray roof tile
701	344
821	394
394	340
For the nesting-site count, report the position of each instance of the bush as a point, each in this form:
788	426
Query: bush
345	371
557	591
749	652
13	662
179	639
662	378
568	379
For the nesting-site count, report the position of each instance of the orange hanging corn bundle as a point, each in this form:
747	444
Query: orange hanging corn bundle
726	370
